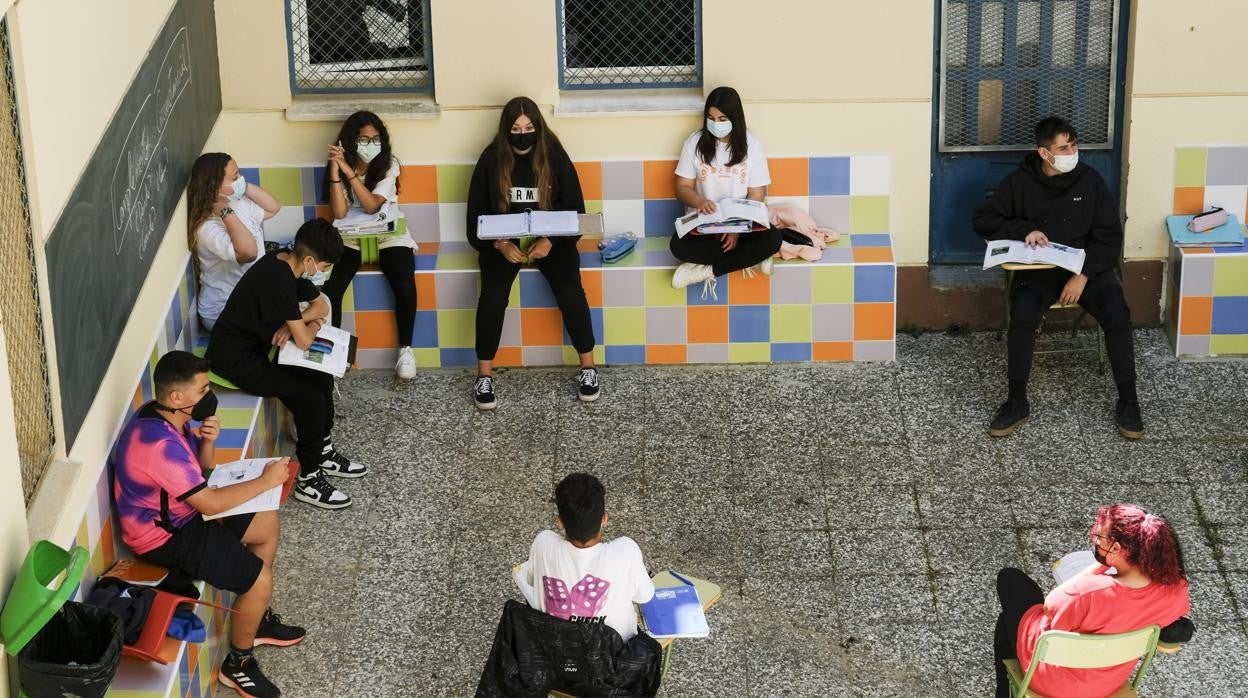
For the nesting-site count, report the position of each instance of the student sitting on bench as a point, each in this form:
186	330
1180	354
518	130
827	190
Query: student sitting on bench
161	495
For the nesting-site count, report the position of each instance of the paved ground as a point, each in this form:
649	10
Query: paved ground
855	515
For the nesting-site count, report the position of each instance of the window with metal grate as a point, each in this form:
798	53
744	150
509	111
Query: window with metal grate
359	46
629	44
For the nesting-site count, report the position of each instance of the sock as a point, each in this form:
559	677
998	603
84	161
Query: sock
1126	392
237	655
1018	391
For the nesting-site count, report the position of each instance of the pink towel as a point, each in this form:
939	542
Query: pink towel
794	218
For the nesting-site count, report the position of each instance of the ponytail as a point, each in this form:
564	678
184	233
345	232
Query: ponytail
1148	541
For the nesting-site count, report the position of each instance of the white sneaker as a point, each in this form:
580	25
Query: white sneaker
316	490
406	365
689	273
764	267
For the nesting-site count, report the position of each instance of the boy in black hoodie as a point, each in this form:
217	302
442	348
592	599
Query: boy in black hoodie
1053	197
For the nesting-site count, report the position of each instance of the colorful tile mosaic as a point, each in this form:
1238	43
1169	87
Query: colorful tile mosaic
1206	305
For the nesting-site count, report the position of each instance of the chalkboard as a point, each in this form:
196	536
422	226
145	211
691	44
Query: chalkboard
101	248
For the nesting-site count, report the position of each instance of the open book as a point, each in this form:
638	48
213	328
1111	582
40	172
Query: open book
357	223
330	352
731	216
504	226
1002	251
675	611
238	471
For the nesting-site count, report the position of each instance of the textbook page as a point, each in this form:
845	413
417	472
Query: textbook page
725	210
357	222
238	471
1017	251
502	226
328	353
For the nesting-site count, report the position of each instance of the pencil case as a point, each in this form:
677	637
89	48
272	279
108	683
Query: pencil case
1204	222
617	247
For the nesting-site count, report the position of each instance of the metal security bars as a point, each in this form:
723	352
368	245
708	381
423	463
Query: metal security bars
359	46
19	297
1006	64
629	43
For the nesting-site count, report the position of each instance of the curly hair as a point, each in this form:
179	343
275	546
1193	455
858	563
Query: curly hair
1148	541
347	135
207	177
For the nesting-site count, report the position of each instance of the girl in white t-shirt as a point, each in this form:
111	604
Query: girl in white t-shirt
718	161
225	229
362	174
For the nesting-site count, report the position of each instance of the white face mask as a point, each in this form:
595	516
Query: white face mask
1065	163
719	129
317	277
368	151
239	188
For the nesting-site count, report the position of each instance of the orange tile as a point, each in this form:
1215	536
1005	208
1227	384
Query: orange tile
707	324
323	212
541	327
137	401
873	321
590	174
376	329
509	356
106	541
789	176
659	177
418	184
1196	250
873	254
752	291
591	279
227	455
1195	315
587	244
833	351
666	354
1188	200
426	291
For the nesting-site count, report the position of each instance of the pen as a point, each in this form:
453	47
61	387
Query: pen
675	574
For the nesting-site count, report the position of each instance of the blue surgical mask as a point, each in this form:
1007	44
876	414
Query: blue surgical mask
368	151
239	186
719	129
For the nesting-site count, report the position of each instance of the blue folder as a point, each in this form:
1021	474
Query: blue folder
1230	233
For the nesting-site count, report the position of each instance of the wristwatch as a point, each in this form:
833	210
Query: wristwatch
226	211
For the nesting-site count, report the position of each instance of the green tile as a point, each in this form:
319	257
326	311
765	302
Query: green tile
348	299
749	352
832	284
1189	166
656	244
1230	276
790	323
571	358
659	291
453	183
427	357
868	214
842	240
1226	344
594	206
457	260
457	328
235	417
285	183
624	326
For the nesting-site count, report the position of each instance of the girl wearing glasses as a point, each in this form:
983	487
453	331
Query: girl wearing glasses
362	174
1148	586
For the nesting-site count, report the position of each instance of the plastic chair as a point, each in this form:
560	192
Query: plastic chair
154	643
1011	268
1080	651
33	600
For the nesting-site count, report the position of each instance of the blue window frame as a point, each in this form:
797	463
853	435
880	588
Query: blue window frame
612	44
359	46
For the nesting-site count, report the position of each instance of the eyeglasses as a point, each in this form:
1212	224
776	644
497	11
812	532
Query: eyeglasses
1093	537
375	140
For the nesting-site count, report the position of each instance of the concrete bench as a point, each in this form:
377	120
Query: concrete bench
839	309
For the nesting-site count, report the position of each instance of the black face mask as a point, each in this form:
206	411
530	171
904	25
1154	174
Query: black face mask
205	408
522	141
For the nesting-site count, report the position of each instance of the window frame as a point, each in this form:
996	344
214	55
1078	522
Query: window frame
561	50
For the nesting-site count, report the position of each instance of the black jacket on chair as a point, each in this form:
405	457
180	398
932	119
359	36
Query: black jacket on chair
535	653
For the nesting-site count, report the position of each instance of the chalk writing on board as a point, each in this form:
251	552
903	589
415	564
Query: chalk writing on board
140	176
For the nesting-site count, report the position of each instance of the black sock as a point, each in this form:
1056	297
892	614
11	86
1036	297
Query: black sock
1018	391
237	655
1126	392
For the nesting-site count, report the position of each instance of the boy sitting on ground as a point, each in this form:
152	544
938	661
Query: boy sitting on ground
161	496
581	577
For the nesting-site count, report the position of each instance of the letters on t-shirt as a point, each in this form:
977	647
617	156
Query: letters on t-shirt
523	195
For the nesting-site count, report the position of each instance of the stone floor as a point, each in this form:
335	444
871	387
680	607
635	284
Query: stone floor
854	514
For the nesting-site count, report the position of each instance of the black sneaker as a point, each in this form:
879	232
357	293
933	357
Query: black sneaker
273	631
588	381
483	393
335	464
316	490
1009	416
1130	423
245	677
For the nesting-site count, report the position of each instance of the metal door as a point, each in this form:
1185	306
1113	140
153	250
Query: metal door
1001	66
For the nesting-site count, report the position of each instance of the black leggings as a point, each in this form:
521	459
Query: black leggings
751	249
309	395
1018	593
562	269
1035	291
399	266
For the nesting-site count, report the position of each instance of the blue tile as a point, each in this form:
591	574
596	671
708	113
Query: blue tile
232	438
534	291
829	176
458	357
873	283
595	321
749	323
251	174
661	215
372	292
425	335
660	258
869	240
693	295
426	262
1230	315
626	354
591	260
785	351
309	212
317	190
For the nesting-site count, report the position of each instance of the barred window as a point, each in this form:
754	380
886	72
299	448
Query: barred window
630	43
359	46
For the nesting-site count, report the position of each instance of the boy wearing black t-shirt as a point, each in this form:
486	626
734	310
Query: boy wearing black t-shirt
262	313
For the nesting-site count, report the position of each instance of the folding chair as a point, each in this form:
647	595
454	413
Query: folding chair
1098	344
1080	651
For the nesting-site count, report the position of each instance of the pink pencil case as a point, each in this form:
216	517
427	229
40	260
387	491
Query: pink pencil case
1204	222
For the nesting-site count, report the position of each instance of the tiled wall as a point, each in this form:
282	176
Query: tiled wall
1207	287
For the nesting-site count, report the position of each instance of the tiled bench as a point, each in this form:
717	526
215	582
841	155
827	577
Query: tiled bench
838	309
1206	306
250	428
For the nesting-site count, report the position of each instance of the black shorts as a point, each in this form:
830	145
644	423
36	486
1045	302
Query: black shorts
212	551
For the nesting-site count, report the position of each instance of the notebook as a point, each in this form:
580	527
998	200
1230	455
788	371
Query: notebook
675	611
1230	234
504	226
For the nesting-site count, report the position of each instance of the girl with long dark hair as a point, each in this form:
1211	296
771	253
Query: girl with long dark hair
525	167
